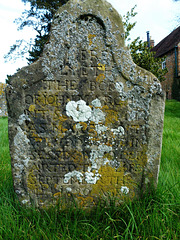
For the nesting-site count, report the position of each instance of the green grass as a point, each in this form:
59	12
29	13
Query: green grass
154	216
170	160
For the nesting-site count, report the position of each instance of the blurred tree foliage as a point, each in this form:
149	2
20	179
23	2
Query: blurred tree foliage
145	58
40	17
141	54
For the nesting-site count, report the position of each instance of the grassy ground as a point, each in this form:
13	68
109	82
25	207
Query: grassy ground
155	216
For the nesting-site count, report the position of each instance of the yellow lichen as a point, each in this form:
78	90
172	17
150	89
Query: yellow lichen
93	132
32	108
108	156
139	160
60	128
40	100
44	185
142	158
57	195
110	181
90	37
84	125
76	156
85	201
36	137
101	67
136	127
122	103
100	78
32	182
2	88
111	115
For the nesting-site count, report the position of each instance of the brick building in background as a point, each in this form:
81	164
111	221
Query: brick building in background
169	47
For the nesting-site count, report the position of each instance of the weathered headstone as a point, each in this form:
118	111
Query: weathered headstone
84	120
3	106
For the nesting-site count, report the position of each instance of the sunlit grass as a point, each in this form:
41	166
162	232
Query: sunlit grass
154	216
170	160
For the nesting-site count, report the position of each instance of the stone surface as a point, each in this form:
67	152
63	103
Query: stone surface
3	106
84	120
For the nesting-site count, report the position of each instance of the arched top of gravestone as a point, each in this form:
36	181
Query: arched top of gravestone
65	32
68	30
84	119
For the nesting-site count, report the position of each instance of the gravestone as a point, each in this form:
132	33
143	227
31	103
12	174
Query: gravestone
84	121
3	107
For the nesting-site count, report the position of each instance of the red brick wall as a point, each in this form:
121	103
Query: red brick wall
167	83
171	66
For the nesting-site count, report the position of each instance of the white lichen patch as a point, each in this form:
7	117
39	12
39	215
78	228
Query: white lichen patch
115	164
68	189
21	159
96	159
119	131
96	103
119	87
132	115
93	157
102	149
92	177
19	166
17	191
21	145
74	174
25	201
78	126
106	161
79	111
22	118
100	128
124	190
97	154
97	115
